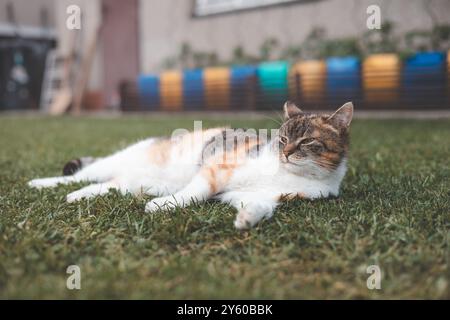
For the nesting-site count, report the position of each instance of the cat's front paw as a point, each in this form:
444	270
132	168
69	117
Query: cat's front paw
76	196
244	220
42	183
162	203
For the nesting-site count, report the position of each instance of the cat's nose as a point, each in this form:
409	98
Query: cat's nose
288	150
287	153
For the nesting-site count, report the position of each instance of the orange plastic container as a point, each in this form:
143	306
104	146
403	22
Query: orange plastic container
448	64
312	80
448	59
171	90
381	77
217	88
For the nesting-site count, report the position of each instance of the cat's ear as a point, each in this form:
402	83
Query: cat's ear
291	110
343	116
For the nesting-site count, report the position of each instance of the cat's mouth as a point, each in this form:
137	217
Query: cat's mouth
285	160
293	163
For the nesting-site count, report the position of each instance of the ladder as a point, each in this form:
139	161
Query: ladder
66	77
56	93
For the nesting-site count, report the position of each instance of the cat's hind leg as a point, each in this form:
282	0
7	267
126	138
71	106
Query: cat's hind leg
91	191
131	182
99	171
51	182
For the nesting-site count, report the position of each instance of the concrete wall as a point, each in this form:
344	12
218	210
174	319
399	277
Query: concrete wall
166	24
28	12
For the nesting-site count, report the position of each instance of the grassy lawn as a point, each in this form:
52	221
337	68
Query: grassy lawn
393	211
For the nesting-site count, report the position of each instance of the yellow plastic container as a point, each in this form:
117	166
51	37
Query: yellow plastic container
381	77
217	88
171	90
312	80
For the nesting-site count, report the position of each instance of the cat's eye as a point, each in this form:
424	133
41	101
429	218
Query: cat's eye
283	139
308	141
316	147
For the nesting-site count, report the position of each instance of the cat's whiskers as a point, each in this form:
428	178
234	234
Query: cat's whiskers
278	122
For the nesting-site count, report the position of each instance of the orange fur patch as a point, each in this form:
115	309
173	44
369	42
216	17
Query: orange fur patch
160	151
220	168
182	145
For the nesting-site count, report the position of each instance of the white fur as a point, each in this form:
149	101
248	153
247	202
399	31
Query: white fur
252	189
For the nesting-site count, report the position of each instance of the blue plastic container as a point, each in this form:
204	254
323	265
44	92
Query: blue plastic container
426	59
193	89
343	79
424	79
241	86
148	87
273	83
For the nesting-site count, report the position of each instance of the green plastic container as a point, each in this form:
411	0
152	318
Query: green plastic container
273	84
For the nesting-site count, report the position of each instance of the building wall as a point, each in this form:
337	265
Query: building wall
28	12
166	24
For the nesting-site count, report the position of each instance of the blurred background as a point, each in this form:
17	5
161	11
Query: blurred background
223	55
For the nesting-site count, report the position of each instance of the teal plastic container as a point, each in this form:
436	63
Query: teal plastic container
273	84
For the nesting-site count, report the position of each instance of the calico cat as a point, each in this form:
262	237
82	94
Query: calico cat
306	159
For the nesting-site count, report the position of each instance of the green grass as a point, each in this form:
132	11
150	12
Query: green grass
393	211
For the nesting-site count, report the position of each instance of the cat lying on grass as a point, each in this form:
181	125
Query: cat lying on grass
306	159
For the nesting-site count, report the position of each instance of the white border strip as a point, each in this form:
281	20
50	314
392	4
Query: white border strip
209	7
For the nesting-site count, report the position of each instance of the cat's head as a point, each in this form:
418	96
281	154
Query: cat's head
314	144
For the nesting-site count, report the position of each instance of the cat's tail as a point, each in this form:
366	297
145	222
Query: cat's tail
77	164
